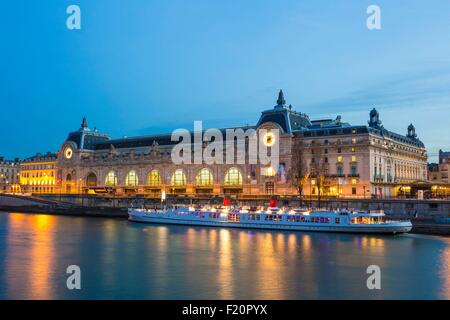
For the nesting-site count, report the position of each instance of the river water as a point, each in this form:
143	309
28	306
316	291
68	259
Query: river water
123	260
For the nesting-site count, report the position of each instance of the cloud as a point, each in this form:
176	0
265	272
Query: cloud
419	89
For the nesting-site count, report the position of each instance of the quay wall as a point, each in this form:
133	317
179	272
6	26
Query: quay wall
17	203
397	207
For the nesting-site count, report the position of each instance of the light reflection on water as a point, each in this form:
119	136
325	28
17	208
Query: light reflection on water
123	260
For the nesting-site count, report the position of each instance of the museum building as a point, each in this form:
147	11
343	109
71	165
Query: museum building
340	160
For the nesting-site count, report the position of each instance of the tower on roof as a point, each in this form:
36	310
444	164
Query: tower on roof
84	124
280	101
411	132
374	119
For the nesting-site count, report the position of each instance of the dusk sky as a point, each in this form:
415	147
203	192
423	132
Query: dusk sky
143	67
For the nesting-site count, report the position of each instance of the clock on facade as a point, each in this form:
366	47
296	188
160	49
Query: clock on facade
269	139
68	153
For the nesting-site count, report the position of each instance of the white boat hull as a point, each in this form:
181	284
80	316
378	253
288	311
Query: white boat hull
159	218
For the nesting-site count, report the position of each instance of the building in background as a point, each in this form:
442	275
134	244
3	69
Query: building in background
38	174
9	175
342	160
438	176
438	172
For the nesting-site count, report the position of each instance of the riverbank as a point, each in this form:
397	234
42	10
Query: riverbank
79	212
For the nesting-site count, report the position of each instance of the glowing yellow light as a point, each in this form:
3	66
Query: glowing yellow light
269	139
270	172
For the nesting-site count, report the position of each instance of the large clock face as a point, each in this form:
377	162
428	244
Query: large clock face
269	139
68	153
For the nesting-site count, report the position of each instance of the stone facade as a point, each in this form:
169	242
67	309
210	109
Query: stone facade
38	174
9	175
438	175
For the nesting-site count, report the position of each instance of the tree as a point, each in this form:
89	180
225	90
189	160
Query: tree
319	169
298	171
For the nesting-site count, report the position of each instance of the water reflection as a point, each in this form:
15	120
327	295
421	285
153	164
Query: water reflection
445	272
31	279
123	260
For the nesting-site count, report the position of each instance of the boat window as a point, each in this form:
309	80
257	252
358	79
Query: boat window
253	217
337	220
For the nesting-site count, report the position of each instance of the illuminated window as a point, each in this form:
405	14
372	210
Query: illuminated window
178	178
154	178
353	181
204	177
111	179
131	180
353	158
353	140
233	177
339	158
353	149
269	172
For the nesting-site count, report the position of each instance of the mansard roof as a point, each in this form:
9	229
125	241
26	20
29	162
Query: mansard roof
85	138
148	140
38	157
288	119
444	156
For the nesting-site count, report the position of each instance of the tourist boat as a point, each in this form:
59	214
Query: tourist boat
274	218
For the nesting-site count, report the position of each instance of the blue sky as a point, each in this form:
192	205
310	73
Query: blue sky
141	66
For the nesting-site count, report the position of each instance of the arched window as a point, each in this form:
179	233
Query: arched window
178	178
111	179
91	180
131	180
154	178
204	177
233	177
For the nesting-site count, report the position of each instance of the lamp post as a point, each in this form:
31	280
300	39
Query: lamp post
163	198
80	191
